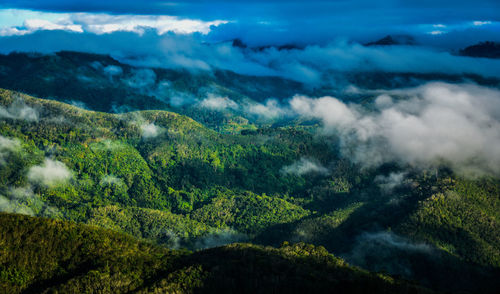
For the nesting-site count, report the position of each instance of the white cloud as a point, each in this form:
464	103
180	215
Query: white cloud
313	65
49	173
111	180
271	109
13	206
32	25
481	23
391	181
304	166
150	130
218	103
106	23
219	238
112	70
19	110
429	125
23	200
437	32
142	78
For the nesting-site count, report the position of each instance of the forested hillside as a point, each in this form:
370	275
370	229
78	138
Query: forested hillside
165	178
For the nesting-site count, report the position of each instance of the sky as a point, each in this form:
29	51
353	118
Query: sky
258	23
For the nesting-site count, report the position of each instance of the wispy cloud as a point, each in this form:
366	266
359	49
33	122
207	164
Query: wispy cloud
218	103
8	146
304	166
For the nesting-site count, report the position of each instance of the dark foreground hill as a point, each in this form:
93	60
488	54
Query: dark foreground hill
41	255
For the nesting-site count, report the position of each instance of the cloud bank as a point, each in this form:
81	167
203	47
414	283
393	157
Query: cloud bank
427	126
313	65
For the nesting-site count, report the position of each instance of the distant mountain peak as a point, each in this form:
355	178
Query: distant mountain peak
391	40
238	43
487	49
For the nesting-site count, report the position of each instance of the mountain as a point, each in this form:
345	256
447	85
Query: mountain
164	178
49	256
238	43
392	40
484	49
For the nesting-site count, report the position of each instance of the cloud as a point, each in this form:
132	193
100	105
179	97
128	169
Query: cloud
49	173
392	240
150	130
270	109
434	124
142	78
304	166
218	103
13	206
8	146
481	23
219	238
391	181
20	111
79	104
112	70
260	22
386	251
109	180
23	200
103	23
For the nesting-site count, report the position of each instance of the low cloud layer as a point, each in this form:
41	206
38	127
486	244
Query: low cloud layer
49	173
312	65
218	103
434	124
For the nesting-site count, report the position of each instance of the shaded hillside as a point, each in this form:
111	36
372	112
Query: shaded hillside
45	256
